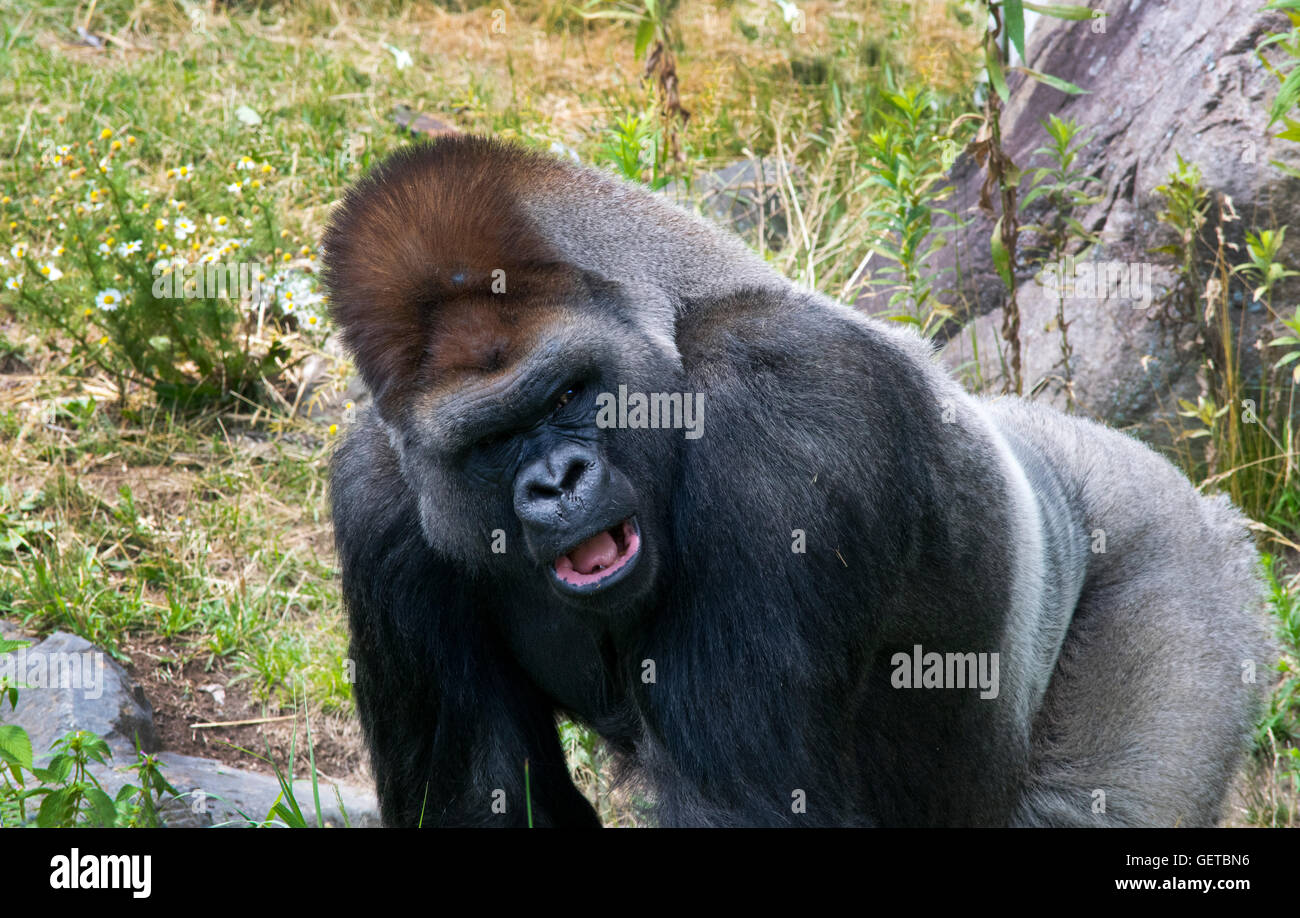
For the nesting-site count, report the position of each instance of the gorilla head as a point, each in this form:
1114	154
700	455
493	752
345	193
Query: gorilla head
738	614
486	352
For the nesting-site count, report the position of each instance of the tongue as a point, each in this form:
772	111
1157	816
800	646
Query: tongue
598	551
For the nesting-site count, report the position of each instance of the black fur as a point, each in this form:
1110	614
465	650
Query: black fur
772	667
931	518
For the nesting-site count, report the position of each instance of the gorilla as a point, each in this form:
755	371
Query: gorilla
619	470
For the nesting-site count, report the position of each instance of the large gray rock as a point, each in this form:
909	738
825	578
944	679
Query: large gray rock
215	794
1164	78
66	683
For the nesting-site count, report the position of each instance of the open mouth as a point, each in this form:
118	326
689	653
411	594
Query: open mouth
599	560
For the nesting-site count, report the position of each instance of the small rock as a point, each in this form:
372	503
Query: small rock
420	124
739	197
66	683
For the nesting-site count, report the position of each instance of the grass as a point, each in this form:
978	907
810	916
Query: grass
180	531
205	526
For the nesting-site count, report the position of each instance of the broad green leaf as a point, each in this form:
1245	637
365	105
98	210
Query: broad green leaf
15	746
95	748
103	811
56	809
61	767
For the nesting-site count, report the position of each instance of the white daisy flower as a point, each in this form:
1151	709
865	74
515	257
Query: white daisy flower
49	271
15	282
108	300
183	227
130	248
18	251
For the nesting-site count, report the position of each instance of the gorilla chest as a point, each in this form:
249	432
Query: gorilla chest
563	657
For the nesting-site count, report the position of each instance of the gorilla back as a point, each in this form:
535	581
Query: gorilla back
847	593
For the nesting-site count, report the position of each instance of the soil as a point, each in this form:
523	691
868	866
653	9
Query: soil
185	695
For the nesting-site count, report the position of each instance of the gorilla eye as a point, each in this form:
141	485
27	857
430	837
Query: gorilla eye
569	395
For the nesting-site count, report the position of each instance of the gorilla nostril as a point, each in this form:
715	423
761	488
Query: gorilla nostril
573	474
539	490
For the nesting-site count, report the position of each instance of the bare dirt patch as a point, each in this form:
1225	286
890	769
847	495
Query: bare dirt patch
188	693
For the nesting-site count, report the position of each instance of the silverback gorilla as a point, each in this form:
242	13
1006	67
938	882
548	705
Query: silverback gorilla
853	594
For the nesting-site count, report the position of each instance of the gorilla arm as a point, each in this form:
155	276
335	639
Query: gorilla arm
449	717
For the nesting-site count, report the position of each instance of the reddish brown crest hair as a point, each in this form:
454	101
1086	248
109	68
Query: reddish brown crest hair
410	256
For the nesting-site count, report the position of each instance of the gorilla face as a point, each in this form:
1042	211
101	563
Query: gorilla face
506	455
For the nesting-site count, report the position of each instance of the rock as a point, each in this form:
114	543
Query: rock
740	197
73	685
420	124
218	795
10	631
1126	361
183	813
69	684
1162	79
